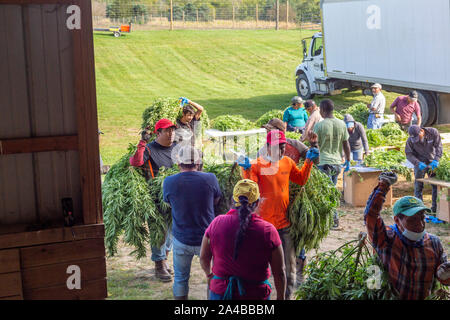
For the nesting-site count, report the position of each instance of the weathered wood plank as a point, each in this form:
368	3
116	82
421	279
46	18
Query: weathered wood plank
61	252
56	274
24	239
11	284
90	290
435	182
9	260
39	144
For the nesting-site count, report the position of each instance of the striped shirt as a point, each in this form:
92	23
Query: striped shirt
411	265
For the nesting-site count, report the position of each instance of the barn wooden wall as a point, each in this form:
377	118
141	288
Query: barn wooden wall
38	99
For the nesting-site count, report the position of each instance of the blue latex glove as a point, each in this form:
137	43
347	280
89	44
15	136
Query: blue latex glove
244	162
422	166
346	166
434	164
312	154
183	101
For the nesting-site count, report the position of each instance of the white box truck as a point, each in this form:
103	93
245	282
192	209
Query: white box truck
401	44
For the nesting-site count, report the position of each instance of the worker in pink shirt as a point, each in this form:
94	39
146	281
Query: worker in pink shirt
404	107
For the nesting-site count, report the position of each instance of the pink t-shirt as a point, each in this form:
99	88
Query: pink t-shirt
252	263
405	109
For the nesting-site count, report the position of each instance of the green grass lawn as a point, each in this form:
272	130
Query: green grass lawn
245	72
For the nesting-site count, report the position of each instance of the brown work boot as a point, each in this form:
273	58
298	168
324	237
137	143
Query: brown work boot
300	266
161	272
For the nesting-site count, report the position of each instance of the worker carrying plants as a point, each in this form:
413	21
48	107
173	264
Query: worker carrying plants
192	196
150	157
357	138
314	117
189	125
295	149
272	176
413	258
424	150
404	107
332	136
376	108
242	246
295	116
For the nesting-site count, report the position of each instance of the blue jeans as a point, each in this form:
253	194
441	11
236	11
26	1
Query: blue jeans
159	253
215	296
292	128
357	155
418	186
374	122
332	171
182	260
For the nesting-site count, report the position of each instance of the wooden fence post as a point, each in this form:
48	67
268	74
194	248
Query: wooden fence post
287	14
257	15
197	17
171	14
233	16
277	14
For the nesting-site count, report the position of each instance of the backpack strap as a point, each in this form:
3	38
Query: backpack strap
149	163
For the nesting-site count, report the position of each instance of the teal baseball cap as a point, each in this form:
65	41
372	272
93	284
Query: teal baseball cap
409	206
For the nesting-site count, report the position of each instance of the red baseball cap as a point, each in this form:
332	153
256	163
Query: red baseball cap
163	124
276	137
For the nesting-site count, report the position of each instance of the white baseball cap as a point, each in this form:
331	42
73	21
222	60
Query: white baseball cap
376	85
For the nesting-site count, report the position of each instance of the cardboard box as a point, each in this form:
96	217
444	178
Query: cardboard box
359	183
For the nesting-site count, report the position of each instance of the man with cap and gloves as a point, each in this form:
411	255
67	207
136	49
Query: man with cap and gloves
376	108
413	258
273	174
295	149
424	150
150	157
192	195
357	138
295	116
404	107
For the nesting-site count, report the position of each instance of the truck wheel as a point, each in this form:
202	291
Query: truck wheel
116	34
303	87
428	108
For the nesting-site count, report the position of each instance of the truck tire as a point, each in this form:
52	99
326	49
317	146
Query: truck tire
428	108
116	34
303	87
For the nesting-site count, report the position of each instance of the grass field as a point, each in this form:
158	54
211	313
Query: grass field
245	72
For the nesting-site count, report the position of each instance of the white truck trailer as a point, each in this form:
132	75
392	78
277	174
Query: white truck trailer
401	44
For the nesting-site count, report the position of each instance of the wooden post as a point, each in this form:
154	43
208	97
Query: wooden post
214	14
277	14
183	17
287	14
171	14
257	14
233	15
197	17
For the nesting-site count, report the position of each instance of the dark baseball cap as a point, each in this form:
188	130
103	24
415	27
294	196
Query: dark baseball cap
414	132
413	94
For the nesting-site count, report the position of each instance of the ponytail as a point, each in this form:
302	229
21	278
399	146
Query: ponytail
244	219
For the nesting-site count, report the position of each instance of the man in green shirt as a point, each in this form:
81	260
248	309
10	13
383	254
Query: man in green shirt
332	136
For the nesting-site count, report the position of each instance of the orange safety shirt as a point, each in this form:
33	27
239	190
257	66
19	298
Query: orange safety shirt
273	181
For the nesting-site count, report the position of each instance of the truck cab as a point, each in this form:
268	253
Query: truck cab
369	46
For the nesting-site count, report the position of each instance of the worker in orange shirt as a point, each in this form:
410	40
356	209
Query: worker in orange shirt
272	174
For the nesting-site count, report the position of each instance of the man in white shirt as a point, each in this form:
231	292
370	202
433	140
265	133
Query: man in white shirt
376	108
